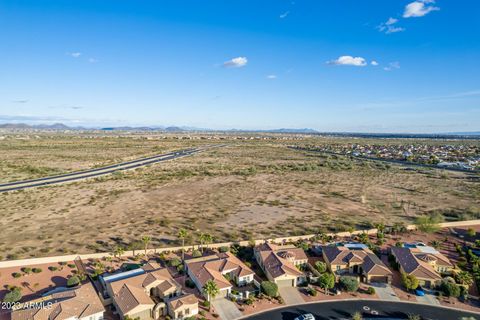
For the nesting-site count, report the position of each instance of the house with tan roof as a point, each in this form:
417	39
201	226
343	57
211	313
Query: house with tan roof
425	263
358	260
282	263
183	306
81	303
225	269
143	293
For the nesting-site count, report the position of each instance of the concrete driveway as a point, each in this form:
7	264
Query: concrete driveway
226	309
428	298
290	295
384	291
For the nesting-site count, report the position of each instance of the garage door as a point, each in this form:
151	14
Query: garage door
285	283
381	279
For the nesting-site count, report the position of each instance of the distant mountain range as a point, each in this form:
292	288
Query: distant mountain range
61	126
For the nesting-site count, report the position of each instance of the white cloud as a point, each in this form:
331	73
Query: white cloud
272	76
392	65
237	62
419	8
75	54
374	63
389	26
349	61
92	60
284	15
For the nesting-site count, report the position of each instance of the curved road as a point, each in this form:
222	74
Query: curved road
369	309
80	175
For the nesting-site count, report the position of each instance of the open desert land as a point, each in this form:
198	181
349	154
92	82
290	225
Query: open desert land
251	188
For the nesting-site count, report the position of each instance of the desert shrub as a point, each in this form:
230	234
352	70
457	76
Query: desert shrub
196	253
371	290
224	249
52	268
349	283
16	274
73	281
27	270
175	262
37	270
269	288
13	296
206	304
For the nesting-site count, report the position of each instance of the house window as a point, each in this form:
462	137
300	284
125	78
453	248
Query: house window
187	311
338	268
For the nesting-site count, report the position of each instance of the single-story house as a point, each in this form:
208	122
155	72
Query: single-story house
358	260
425	263
282	263
80	303
225	269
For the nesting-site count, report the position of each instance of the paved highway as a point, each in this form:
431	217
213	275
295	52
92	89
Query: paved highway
369	309
79	175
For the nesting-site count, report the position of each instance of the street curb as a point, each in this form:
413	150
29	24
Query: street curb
350	299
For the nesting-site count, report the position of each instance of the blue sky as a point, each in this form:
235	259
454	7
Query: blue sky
371	65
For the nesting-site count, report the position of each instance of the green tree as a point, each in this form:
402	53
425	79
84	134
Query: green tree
118	252
135	245
146	240
326	281
465	278
429	223
450	288
210	288
270	288
471	232
320	266
13	296
409	281
182	234
349	283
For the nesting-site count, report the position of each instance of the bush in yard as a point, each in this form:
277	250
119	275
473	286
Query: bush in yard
410	282
349	283
321	266
37	270
450	289
326	281
13	296
311	291
270	288
27	270
224	249
471	232
371	290
196	253
175	262
52	268
16	274
73	281
180	268
206	304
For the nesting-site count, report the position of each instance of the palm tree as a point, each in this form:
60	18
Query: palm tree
182	234
208	239
205	238
118	251
465	278
210	288
146	241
